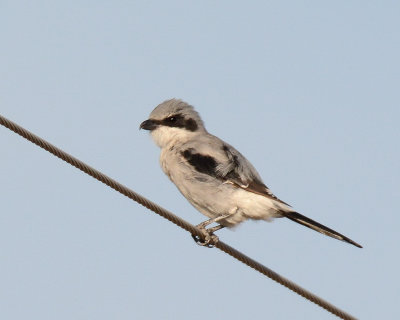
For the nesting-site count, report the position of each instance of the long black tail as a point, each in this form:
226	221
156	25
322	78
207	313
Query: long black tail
299	218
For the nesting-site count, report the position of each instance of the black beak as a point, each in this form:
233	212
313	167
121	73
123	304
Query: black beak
148	125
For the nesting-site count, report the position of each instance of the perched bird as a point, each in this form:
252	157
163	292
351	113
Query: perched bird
213	176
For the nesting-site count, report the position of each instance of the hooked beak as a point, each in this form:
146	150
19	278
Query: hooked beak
148	125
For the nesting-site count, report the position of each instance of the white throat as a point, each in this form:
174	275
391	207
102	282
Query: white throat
165	136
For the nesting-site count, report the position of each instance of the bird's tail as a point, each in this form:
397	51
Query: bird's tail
299	218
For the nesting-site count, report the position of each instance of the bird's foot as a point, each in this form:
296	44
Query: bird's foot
209	239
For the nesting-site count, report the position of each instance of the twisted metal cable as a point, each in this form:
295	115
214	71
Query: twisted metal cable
172	217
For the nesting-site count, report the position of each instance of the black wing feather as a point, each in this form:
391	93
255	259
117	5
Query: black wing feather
203	164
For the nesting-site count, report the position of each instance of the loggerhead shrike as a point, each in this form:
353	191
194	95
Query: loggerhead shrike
213	176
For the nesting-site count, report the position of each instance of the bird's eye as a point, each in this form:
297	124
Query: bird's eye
172	119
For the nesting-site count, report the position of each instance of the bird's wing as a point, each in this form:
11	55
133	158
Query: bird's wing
242	174
220	160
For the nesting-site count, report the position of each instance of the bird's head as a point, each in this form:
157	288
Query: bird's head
173	121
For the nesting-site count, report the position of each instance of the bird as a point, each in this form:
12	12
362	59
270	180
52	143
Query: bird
213	176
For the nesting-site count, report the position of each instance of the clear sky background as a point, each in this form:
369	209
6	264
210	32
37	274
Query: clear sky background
306	90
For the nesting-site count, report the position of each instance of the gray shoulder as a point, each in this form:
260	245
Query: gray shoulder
211	155
238	167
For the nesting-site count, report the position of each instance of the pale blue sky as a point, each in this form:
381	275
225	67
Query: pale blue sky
307	90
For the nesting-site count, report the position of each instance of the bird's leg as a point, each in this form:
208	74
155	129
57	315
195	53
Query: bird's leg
216	228
209	238
204	224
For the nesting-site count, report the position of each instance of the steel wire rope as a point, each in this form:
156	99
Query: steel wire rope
172	217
